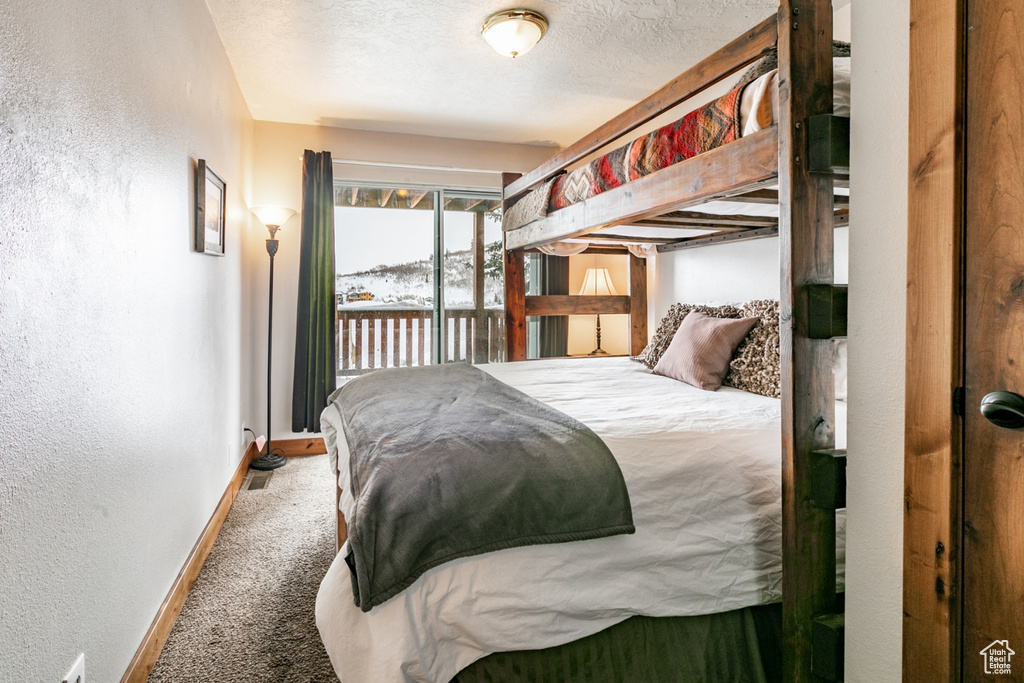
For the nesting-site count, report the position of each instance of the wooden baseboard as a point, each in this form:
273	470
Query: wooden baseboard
295	448
145	657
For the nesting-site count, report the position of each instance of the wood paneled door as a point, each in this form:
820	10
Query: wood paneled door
993	513
963	580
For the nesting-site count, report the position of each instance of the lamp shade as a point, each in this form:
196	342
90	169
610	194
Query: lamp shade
597	282
514	32
273	215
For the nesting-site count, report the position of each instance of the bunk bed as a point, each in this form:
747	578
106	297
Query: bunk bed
796	164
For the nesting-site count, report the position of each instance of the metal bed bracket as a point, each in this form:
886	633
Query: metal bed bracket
828	472
827	306
829	141
827	651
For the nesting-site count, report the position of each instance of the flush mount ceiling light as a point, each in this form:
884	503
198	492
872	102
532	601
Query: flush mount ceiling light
514	32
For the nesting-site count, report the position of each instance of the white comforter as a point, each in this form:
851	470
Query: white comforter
703	473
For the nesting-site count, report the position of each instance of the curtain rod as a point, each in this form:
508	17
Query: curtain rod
415	167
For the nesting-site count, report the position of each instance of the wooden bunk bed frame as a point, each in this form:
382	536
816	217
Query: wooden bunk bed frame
806	153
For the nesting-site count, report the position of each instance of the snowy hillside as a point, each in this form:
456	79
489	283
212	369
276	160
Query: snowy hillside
411	282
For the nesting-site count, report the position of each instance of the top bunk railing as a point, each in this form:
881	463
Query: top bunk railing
748	48
749	163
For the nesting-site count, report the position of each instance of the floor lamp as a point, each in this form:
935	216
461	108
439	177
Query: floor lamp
597	282
273	217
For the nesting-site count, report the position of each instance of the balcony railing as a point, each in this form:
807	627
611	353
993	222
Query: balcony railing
388	338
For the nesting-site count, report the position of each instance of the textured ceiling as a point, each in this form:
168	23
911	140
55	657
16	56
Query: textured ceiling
421	66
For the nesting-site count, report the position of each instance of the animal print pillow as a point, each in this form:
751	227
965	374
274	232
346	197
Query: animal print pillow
668	326
756	366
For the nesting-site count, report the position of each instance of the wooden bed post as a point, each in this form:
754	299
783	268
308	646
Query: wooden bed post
480	336
808	391
515	290
637	305
515	306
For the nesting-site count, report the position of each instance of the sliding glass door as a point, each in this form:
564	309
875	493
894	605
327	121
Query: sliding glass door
419	277
473	304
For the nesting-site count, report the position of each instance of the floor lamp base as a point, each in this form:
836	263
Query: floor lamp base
598	352
270	461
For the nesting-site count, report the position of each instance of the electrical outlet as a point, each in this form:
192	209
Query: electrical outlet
77	673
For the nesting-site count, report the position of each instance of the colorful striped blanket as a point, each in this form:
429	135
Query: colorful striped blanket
713	125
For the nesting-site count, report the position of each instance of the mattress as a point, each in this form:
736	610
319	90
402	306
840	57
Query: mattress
756	108
703	472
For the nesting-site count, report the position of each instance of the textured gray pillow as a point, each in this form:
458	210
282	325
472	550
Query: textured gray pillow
699	353
528	209
670	323
770	62
756	366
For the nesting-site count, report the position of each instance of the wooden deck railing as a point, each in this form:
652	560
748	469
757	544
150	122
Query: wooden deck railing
388	338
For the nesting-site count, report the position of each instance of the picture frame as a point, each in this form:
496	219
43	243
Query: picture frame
211	204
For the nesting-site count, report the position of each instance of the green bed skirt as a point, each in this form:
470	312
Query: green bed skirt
742	646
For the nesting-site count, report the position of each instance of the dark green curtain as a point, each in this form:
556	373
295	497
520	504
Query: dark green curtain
315	343
554	329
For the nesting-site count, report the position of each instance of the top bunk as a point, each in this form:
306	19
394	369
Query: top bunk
796	164
666	191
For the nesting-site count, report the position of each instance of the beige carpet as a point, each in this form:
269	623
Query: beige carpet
249	616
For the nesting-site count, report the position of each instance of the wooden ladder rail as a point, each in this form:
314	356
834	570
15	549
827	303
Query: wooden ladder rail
808	392
828	493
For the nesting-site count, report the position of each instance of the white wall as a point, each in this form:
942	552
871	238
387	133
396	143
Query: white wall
277	179
122	390
729	273
878	256
724	273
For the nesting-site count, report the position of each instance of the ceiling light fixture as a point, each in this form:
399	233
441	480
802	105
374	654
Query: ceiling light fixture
514	32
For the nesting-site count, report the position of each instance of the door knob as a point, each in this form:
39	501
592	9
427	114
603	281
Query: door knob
1004	409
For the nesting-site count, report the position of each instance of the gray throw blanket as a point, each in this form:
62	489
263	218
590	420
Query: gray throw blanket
446	461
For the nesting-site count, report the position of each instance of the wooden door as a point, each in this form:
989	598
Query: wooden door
993	503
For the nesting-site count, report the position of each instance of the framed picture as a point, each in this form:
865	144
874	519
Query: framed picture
211	202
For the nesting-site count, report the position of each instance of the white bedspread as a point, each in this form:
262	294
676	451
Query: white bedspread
703	474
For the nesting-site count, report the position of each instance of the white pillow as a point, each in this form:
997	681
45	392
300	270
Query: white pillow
839	368
841	86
